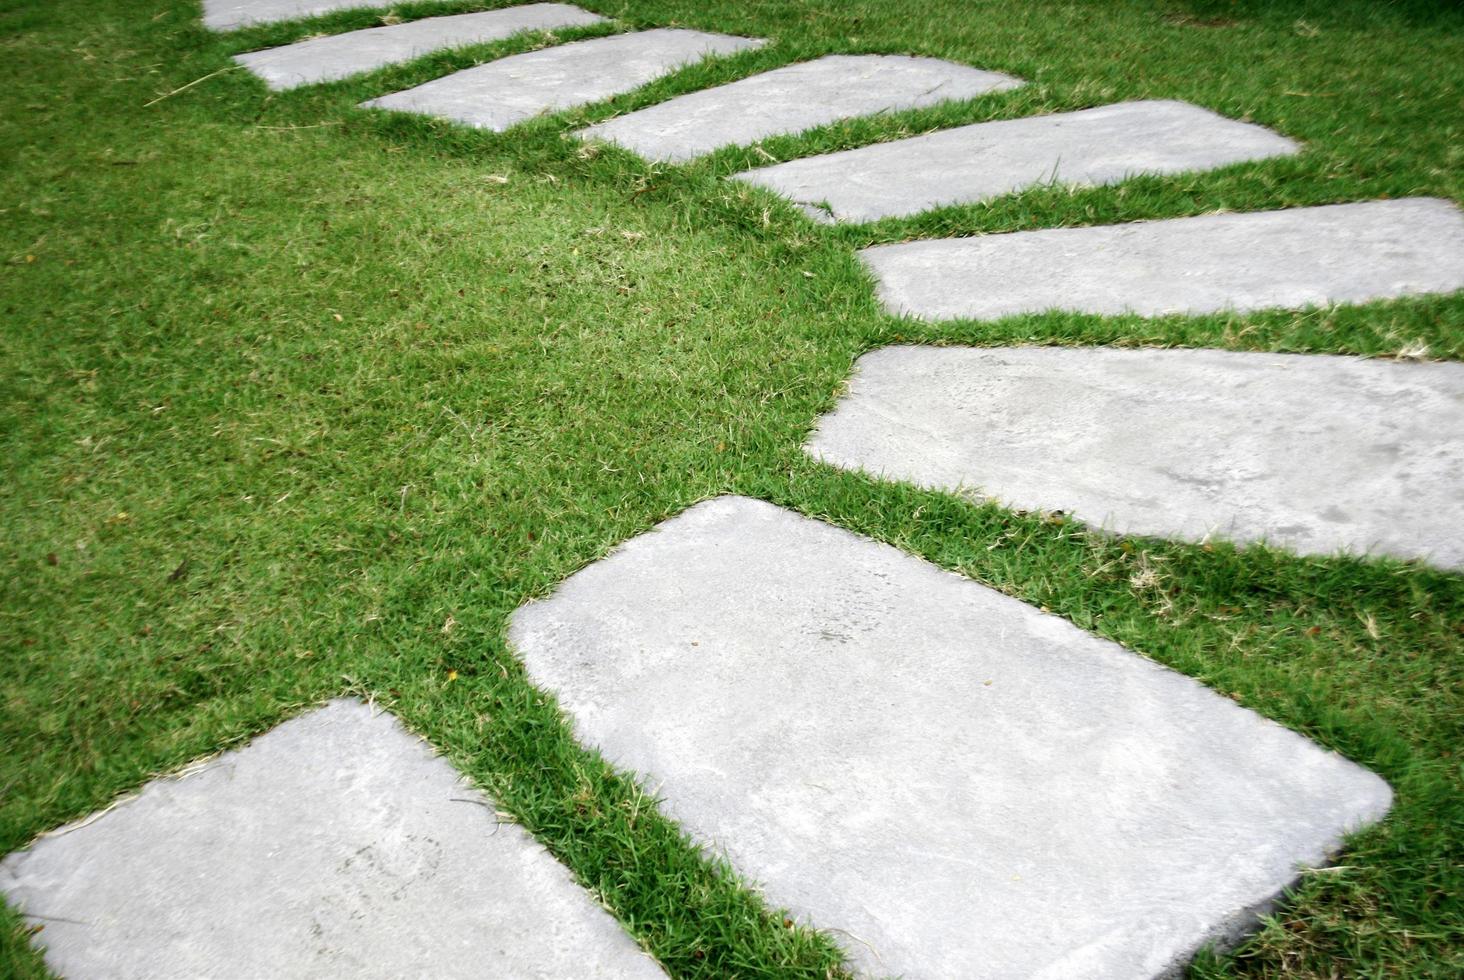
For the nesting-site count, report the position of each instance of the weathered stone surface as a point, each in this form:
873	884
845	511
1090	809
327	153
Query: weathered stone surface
508	91
226	15
792	99
1341	253
975	163
326	59
959	784
1311	452
335	845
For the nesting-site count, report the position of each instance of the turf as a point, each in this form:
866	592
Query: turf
300	400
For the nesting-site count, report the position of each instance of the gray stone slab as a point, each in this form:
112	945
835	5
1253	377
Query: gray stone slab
226	15
792	99
985	160
508	91
335	845
955	783
1310	452
325	59
1341	253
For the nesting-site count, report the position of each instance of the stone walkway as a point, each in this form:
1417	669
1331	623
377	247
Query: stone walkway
791	100
508	91
335	845
954	783
985	160
227	15
1310	452
951	782
1342	253
326	59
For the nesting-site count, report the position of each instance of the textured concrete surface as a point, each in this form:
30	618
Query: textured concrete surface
1341	253
326	59
974	163
961	785
335	845
792	99
225	15
510	90
1316	453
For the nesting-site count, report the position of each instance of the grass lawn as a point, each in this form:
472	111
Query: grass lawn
299	400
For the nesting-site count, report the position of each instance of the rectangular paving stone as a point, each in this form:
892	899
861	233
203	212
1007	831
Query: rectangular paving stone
985	160
792	99
325	59
226	15
1340	253
508	91
1310	452
335	845
952	782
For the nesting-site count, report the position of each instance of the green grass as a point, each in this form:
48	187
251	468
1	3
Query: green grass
300	400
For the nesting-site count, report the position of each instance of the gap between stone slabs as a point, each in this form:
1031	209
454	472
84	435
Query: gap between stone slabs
978	162
792	99
336	844
1338	253
326	59
1313	452
949	780
510	90
226	15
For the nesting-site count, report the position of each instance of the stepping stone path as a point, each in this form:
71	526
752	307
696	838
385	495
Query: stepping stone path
979	162
1342	253
335	845
1312	452
326	59
226	15
508	91
951	781
792	99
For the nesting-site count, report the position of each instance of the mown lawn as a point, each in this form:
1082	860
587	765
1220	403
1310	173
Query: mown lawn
299	400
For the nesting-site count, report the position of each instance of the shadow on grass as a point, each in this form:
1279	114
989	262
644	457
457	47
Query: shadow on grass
1320	13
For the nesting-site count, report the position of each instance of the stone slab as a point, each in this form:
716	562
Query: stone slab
792	99
1341	253
1315	453
952	782
326	59
226	15
508	91
985	160
335	845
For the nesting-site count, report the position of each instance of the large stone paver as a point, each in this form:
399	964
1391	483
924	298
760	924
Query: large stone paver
326	59
335	845
1341	253
1311	452
981	161
508	91
792	99
955	783
226	15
